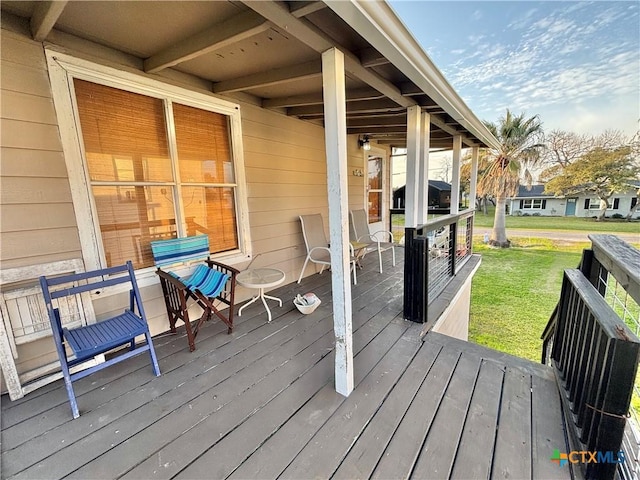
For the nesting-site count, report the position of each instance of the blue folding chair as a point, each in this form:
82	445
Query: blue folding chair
100	337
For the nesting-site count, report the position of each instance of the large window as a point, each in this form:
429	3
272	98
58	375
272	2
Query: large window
148	160
596	204
533	204
143	189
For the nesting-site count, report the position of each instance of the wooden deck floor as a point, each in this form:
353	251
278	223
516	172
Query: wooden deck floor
260	404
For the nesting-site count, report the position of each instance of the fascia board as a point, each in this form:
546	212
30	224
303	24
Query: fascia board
382	28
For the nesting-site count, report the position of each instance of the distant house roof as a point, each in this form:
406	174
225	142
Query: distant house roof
536	191
440	185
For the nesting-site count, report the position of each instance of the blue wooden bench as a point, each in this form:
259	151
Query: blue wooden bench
211	282
97	338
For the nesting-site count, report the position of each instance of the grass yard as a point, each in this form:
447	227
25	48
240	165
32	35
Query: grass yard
610	225
515	291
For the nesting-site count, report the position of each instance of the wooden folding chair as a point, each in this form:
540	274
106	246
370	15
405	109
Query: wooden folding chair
209	283
90	340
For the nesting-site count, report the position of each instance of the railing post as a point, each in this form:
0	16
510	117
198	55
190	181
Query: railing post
415	276
453	246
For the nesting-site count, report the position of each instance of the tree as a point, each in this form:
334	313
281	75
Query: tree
446	163
564	148
601	172
481	201
509	165
633	209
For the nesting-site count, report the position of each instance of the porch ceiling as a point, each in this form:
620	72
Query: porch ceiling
270	53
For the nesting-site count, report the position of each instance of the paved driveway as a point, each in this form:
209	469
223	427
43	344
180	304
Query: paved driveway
568	236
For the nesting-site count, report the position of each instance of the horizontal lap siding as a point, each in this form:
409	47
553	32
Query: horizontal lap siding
286	172
38	223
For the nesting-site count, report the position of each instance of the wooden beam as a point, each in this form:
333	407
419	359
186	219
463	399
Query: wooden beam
473	183
382	105
370	57
44	18
389	121
244	25
455	174
333	87
423	180
270	77
310	35
302	9
381	130
413	167
316	99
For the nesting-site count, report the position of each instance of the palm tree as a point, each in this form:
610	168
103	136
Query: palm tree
510	164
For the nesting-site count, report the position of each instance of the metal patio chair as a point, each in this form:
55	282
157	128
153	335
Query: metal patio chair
379	241
317	245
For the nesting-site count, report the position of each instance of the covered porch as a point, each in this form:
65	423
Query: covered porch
261	403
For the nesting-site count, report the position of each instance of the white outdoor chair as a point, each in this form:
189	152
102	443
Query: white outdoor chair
379	241
317	245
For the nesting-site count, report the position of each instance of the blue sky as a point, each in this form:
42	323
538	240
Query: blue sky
575	64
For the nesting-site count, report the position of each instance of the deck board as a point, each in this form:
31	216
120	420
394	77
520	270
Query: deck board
363	457
512	458
438	452
475	451
402	452
260	403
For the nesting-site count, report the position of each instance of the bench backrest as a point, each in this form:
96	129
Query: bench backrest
180	250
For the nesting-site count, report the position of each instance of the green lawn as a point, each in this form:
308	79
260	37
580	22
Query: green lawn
609	225
514	293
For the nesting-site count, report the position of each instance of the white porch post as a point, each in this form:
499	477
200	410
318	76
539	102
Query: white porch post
474	177
423	180
411	200
335	135
455	174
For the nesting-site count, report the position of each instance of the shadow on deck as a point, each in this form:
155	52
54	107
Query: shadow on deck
260	403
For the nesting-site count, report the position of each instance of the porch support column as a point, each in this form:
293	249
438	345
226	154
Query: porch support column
473	183
335	136
411	200
455	174
423	179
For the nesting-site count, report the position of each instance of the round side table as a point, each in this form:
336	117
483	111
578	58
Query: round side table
260	278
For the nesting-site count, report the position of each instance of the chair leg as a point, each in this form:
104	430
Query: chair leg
70	393
393	255
306	260
355	280
152	354
380	258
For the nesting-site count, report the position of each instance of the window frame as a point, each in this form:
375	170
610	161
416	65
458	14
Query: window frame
63	68
533	205
594	203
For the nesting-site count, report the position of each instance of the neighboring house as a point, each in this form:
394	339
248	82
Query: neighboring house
619	203
127	121
439	195
536	202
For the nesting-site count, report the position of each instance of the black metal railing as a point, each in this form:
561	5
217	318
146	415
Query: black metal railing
434	253
595	355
